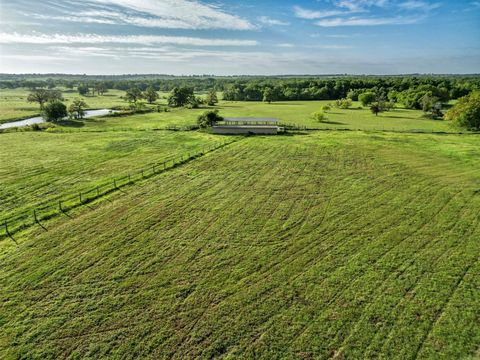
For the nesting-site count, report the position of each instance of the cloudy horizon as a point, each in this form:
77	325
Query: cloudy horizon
188	37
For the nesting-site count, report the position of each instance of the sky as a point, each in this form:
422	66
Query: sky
248	37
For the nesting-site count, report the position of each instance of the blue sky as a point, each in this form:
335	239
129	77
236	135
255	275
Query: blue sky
226	37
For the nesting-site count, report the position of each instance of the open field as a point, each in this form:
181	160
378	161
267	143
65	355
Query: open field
328	244
294	113
43	166
13	105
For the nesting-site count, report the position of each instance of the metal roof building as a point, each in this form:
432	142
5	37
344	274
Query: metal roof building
247	126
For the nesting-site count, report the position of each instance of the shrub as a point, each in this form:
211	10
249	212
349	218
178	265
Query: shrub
343	103
318	116
326	107
209	118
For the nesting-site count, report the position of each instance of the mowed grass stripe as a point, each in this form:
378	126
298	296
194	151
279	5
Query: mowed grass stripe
196	279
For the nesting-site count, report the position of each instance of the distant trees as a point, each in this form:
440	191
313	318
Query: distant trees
268	95
367	98
466	112
181	96
77	108
41	96
133	94
212	98
54	111
100	88
209	118
150	95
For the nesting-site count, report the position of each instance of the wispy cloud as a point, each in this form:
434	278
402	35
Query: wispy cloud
265	20
354	21
168	14
308	14
36	38
419	5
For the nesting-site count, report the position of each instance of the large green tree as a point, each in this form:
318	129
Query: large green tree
77	108
150	95
54	111
41	96
133	94
181	96
466	112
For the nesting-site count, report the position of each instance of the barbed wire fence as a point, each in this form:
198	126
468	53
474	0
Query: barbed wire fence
60	206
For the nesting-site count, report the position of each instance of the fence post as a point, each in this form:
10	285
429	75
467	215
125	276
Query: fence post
36	219
60	205
129	179
142	174
114	183
8	233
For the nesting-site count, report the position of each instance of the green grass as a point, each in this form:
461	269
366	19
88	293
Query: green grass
43	167
310	246
295	112
13	105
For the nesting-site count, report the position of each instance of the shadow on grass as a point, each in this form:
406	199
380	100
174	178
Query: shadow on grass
71	123
332	122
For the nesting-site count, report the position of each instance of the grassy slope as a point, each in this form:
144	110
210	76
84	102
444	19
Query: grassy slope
343	244
42	166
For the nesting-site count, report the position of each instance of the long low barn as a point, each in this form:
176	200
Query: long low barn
248	126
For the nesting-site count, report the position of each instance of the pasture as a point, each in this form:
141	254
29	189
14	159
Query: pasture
313	244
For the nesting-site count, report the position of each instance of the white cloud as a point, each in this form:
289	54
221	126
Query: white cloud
36	38
286	45
314	14
179	14
269	21
367	21
418	5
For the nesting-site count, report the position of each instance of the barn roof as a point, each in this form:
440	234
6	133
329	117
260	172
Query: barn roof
252	120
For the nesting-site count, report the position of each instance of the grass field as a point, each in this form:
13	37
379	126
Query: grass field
43	167
13	105
328	244
295	113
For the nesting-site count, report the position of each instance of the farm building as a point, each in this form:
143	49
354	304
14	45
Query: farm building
247	126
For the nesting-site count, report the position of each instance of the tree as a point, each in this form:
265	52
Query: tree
77	108
133	94
150	95
326	107
376	108
318	116
42	96
100	88
212	98
180	96
466	112
367	98
83	89
54	111
268	95
209	118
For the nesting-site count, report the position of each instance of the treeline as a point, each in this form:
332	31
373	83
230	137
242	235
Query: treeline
408	90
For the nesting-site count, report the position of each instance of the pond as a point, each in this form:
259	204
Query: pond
39	119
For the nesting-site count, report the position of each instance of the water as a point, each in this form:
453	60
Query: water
39	119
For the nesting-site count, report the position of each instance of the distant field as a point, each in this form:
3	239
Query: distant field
13	105
37	168
294	113
331	244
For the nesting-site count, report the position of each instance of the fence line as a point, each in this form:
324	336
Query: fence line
25	219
